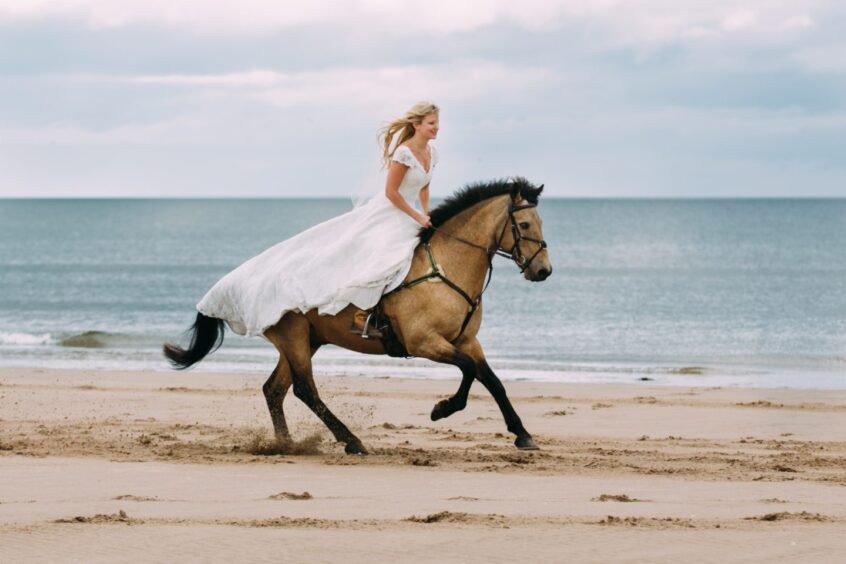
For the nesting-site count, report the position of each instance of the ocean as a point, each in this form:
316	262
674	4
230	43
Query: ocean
744	292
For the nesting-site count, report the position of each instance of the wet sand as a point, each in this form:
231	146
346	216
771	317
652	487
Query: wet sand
105	466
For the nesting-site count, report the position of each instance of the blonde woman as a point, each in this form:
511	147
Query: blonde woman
350	259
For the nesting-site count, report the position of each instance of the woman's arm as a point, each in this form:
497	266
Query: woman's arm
424	199
396	172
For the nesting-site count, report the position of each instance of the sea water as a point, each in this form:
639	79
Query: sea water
691	292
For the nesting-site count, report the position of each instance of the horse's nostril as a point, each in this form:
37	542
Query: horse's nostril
543	273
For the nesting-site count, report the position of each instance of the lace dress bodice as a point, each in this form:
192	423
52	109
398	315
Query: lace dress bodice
416	176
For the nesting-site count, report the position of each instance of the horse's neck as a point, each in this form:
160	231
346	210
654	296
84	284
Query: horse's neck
465	265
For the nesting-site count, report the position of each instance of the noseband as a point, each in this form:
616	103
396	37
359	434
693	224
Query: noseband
516	254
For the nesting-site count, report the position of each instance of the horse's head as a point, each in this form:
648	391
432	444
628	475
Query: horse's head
517	234
522	236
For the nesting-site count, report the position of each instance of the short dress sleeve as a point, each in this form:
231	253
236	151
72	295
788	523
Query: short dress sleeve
403	155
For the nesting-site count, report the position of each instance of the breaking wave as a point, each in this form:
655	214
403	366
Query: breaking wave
25	339
86	339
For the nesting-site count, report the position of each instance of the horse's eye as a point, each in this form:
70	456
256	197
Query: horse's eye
524	225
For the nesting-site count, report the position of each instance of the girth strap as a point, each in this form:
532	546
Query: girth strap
436	272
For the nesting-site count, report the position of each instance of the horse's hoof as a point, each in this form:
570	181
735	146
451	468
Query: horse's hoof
439	409
526	443
355	448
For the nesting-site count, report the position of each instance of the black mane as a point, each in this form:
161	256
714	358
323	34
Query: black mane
471	194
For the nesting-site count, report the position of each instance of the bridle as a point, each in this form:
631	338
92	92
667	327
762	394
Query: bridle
516	254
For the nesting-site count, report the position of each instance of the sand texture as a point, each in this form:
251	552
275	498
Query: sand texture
106	466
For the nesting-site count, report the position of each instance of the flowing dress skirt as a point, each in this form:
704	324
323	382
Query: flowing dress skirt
350	259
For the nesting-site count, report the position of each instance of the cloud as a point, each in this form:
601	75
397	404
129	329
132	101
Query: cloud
250	78
605	97
351	87
264	16
828	58
158	133
603	21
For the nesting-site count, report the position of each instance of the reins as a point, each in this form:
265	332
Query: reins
519	259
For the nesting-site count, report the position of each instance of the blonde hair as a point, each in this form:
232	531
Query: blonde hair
403	129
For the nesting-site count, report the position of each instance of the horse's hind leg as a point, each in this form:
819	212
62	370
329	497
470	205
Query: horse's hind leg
293	334
274	392
305	389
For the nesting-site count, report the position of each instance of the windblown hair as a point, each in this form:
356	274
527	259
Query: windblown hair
471	194
402	129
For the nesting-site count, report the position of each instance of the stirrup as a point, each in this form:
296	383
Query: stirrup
365	331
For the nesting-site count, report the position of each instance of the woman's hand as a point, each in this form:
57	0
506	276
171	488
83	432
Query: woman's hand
423	219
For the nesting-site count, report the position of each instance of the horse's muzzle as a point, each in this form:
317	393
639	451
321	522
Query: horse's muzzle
539	275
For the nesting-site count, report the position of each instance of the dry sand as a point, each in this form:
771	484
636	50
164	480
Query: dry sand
147	466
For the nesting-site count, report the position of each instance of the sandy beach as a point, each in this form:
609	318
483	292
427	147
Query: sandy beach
105	466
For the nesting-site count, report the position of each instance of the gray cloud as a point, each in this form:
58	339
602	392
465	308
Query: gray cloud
701	99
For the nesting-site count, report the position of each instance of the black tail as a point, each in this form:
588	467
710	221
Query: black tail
207	337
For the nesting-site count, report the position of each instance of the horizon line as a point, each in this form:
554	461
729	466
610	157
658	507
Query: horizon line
827	197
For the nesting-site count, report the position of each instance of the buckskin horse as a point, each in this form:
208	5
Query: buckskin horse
438	321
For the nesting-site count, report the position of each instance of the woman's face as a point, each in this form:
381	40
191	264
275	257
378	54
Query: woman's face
428	128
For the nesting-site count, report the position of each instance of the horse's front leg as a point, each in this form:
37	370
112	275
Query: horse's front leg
457	402
436	348
469	372
489	380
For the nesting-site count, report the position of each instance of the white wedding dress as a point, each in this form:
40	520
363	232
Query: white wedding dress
350	259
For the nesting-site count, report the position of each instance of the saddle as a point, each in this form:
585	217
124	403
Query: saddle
377	325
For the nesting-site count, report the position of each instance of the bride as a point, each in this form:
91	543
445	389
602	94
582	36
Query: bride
350	259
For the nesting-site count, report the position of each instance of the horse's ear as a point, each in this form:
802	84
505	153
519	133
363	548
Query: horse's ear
516	193
540	188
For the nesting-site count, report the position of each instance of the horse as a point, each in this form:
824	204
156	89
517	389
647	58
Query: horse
438	321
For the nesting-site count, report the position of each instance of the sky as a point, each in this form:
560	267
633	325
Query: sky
270	98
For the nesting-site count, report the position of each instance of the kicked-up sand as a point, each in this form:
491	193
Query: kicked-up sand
107	466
